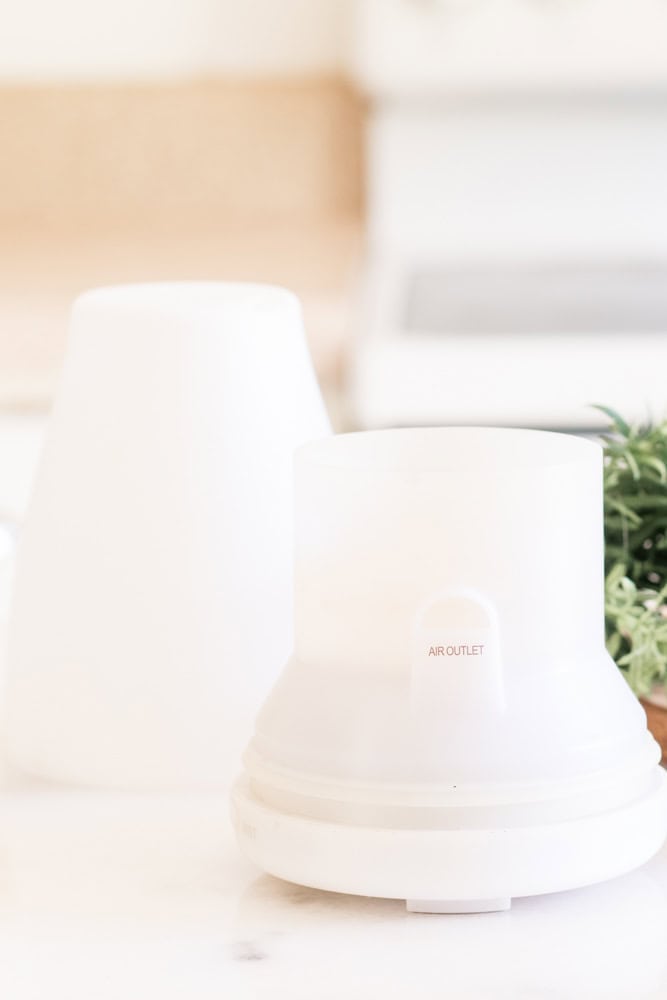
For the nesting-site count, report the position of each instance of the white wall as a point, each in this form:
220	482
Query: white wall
138	39
459	46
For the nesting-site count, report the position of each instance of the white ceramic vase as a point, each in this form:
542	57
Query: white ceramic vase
153	596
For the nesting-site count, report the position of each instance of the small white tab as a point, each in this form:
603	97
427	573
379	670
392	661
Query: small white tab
458	905
455	657
460	668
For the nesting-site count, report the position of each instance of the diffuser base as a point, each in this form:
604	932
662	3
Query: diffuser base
469	867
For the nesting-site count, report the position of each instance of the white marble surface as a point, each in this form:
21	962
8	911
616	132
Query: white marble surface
106	896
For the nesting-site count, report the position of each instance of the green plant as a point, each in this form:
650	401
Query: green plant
635	490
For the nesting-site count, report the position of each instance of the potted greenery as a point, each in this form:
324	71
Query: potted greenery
635	487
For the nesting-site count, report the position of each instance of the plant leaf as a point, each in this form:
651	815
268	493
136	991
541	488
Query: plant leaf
616	419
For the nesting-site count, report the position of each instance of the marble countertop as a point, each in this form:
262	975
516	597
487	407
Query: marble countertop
107	895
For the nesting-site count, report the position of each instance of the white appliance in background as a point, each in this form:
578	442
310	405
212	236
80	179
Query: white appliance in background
517	226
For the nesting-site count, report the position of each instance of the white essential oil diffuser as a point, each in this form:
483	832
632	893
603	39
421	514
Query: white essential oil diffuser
153	601
450	729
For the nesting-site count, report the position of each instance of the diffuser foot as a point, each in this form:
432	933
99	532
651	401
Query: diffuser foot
458	905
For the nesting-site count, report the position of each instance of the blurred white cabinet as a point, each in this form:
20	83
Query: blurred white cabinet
517	151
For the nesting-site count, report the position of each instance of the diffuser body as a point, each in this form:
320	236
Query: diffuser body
153	596
450	728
